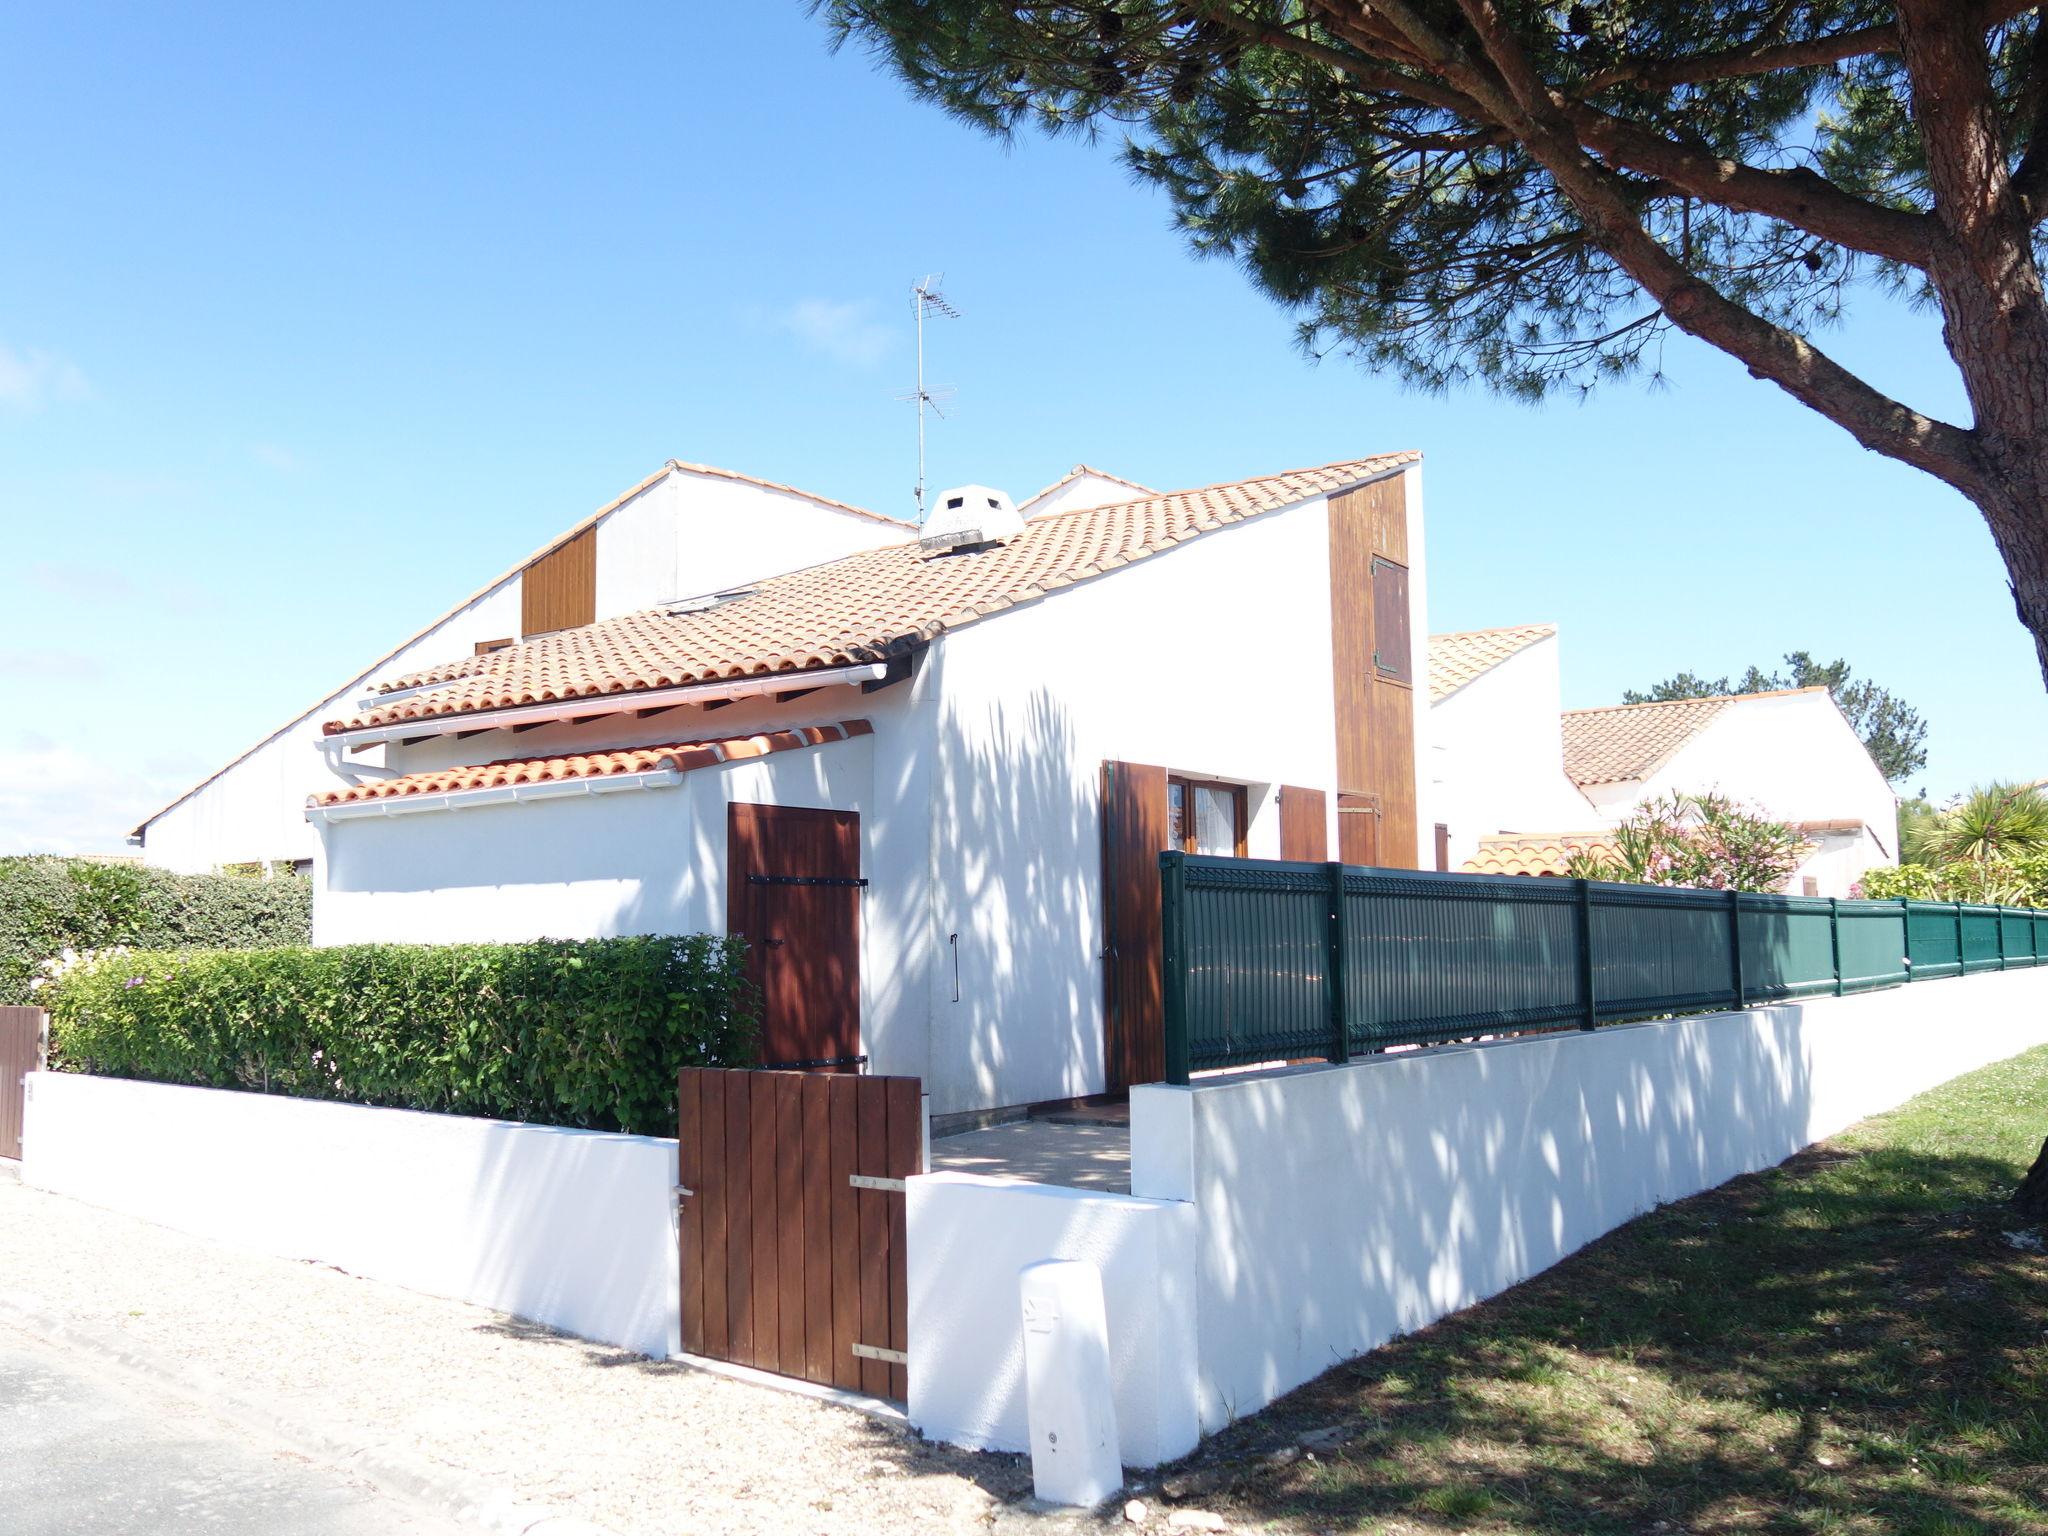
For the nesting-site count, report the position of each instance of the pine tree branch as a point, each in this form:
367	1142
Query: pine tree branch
1505	83
1799	197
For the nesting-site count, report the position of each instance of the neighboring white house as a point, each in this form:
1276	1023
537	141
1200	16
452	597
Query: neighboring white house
686	529
1520	784
931	781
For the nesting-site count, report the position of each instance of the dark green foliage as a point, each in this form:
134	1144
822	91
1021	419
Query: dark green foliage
1354	184
48	905
1890	728
559	1032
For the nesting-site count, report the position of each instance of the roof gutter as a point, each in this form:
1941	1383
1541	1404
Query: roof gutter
503	794
609	704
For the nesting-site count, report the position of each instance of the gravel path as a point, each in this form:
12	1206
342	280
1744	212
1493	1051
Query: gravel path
641	1447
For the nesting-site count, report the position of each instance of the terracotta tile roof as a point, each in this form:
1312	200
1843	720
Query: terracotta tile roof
867	607
1454	660
1628	741
681	756
1549	853
1536	853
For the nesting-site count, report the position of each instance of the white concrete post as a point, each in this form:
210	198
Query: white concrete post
1075	1458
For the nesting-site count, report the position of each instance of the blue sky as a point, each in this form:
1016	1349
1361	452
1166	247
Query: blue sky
313	318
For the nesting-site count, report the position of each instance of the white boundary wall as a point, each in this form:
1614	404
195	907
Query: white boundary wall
1339	1207
969	1237
565	1227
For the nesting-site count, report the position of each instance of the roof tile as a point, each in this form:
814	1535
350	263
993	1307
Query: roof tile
1455	660
681	756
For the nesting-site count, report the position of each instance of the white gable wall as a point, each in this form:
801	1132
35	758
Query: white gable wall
685	534
1084	490
1211	658
1496	755
694	533
1793	756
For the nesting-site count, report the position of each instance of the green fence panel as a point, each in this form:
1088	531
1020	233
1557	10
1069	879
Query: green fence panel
2015	937
1872	944
1443	957
1659	950
1255	951
1274	961
1934	939
1788	946
1982	950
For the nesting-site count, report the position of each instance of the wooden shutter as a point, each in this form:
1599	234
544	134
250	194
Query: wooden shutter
559	590
1391	655
1443	846
1133	835
1304	824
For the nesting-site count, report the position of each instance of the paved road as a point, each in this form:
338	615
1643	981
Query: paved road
83	1453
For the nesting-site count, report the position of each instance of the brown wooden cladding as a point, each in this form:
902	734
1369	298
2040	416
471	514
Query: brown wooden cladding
21	1052
559	589
1134	833
1304	824
1375	715
785	1264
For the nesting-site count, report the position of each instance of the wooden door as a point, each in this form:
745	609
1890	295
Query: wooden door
21	1052
792	1225
793	890
1134	833
1359	823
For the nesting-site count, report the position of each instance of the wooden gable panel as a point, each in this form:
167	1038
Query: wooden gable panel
559	589
1375	720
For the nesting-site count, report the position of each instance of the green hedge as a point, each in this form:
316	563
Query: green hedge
50	904
586	1033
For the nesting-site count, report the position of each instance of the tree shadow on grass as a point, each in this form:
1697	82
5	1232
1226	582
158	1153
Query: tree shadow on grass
1845	1343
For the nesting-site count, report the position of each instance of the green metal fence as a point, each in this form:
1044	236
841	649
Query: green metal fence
1271	961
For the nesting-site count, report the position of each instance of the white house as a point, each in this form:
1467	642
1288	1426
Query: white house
685	528
929	781
1520	784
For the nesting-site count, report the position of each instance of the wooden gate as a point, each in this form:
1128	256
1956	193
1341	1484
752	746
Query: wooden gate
21	1052
792	1222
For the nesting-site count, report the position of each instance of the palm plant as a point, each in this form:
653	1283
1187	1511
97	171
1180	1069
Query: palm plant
1995	823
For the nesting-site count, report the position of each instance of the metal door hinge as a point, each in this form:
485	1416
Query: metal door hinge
870	1181
876	1352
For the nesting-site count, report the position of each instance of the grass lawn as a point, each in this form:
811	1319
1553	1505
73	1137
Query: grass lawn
1846	1343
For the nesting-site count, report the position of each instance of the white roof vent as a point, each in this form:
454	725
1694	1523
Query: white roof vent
969	516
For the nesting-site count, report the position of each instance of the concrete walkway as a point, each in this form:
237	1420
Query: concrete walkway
1083	1151
84	1455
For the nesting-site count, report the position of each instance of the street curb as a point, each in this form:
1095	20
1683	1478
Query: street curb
394	1471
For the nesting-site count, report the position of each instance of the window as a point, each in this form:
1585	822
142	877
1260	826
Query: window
1205	817
1808	886
1392	649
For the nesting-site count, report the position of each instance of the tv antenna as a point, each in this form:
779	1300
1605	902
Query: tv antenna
925	299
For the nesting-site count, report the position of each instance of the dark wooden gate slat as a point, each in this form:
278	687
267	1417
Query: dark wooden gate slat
767	1248
739	1219
711	1195
906	1156
845	1266
790	1154
874	1232
814	1096
690	1211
